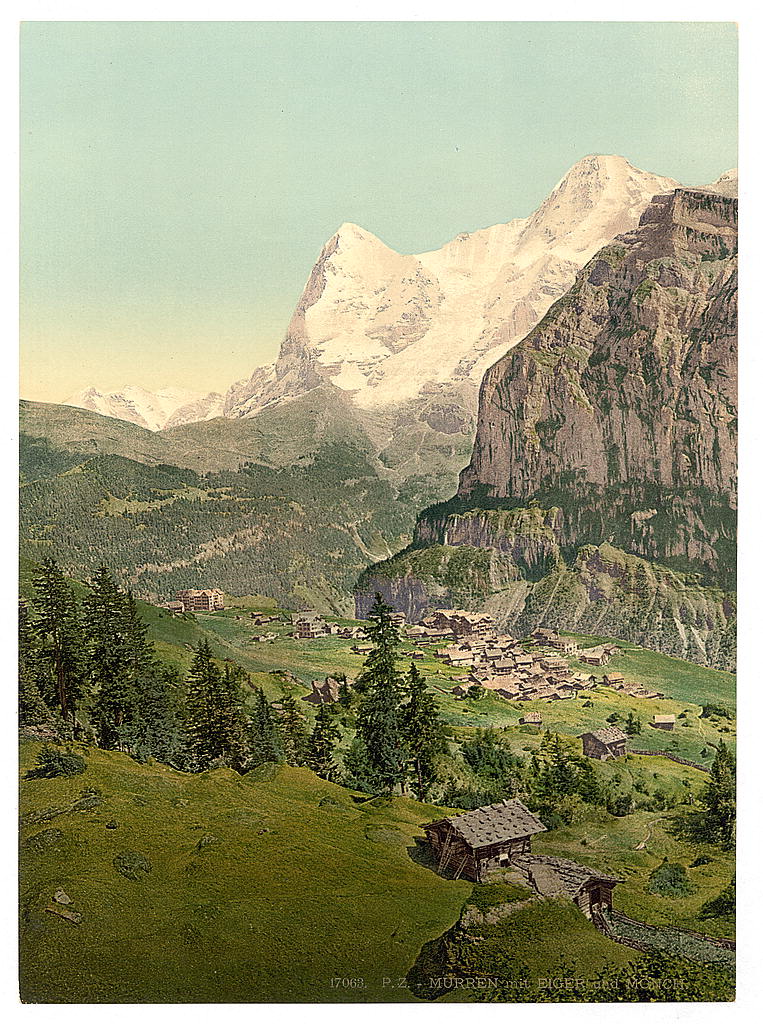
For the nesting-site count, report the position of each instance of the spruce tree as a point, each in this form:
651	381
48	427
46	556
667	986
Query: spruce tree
323	742
295	737
719	797
118	655
423	733
55	623
264	738
380	720
214	712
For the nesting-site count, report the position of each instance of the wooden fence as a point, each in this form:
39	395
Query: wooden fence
671	757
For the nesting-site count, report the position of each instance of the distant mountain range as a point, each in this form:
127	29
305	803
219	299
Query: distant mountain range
598	491
154	410
394	331
601	492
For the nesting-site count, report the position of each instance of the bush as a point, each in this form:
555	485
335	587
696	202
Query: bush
699	861
52	763
724	904
669	880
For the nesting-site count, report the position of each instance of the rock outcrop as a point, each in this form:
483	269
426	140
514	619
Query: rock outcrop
620	406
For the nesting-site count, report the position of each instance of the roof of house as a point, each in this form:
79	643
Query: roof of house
556	876
496	823
610	735
665	719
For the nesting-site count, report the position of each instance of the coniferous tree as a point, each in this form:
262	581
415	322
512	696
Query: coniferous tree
295	737
55	623
34	713
719	797
120	661
380	724
264	738
423	733
214	712
323	741
160	733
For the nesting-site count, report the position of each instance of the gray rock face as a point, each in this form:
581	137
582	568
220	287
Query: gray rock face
620	406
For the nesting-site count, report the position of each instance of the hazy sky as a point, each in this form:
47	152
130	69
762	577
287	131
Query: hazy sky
179	179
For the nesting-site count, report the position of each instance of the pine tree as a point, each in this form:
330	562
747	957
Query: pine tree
214	712
380	725
55	623
264	739
719	797
159	732
118	654
323	742
423	733
296	738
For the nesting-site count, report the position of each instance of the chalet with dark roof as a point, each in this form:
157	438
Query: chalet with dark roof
589	889
604	743
486	839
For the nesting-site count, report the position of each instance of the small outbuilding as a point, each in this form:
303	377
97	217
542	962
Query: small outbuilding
589	889
486	839
667	722
531	718
604	743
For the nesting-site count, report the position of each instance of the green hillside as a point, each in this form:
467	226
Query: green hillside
260	888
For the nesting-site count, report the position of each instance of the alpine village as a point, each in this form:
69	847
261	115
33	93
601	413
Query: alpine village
411	693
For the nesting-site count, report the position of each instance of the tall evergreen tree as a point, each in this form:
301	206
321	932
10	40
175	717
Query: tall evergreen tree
423	733
118	655
295	736
323	742
55	623
380	719
264	737
214	712
719	797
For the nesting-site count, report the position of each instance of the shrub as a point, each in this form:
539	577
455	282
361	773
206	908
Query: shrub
723	905
669	880
699	861
52	763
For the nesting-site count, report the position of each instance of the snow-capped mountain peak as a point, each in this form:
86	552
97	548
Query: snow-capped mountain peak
387	327
152	410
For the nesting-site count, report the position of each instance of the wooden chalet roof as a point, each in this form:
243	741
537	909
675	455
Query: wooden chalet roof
496	823
607	736
556	876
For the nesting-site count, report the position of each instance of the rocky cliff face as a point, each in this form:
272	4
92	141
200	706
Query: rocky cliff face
607	434
620	406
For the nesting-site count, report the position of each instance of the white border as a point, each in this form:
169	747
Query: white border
751	576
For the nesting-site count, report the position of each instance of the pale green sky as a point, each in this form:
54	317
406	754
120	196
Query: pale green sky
179	179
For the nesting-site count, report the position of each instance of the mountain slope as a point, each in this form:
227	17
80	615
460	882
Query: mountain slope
608	433
244	505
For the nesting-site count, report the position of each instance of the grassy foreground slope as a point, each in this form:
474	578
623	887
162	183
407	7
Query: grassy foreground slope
259	888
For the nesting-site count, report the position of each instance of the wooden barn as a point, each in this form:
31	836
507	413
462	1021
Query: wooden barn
604	743
667	722
531	718
590	890
487	839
